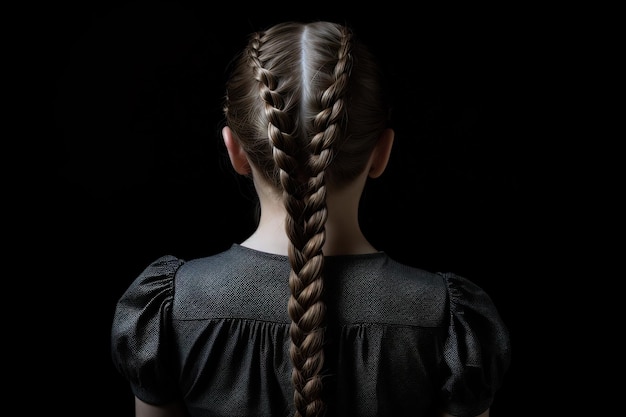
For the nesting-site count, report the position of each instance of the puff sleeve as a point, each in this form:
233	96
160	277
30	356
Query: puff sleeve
140	329
477	350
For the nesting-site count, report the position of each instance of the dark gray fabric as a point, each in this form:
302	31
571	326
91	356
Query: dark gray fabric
400	341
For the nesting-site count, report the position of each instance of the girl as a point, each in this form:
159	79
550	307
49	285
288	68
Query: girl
305	317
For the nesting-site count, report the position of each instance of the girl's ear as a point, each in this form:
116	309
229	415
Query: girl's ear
238	157
380	154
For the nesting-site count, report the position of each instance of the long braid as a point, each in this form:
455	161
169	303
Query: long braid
292	135
306	306
302	175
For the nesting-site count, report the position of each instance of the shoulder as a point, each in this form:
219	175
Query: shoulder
466	297
416	283
378	289
164	267
153	288
235	282
140	329
156	279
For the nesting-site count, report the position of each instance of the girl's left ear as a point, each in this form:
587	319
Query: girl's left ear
238	157
380	154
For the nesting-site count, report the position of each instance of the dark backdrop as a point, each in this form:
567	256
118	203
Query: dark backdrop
139	170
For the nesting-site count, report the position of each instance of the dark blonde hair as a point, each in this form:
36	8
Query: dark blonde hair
307	104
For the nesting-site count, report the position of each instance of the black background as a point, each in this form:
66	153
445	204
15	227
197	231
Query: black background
139	171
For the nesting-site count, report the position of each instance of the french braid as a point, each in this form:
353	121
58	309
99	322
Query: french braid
296	134
306	306
305	201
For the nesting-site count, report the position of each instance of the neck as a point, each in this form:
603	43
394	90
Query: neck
343	233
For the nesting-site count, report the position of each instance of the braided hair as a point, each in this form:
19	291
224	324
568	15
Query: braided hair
306	102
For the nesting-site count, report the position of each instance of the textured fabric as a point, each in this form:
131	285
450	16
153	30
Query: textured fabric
400	341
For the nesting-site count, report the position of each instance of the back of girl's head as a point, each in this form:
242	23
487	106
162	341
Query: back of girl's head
307	79
306	103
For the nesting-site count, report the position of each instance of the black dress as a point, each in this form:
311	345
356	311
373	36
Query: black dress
214	333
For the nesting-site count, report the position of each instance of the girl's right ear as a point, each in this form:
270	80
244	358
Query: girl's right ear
238	157
381	153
